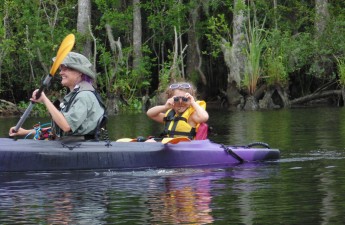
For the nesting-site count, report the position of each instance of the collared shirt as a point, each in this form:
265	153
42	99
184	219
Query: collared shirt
84	111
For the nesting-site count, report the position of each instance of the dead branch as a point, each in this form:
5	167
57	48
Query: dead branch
318	95
94	45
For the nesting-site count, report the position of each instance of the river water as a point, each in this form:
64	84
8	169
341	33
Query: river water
306	186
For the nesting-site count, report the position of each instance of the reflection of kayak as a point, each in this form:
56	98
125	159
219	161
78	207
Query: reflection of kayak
32	155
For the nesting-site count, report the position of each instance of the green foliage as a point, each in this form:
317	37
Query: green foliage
30	38
255	40
164	77
217	29
275	68
295	52
240	6
296	16
163	16
121	79
134	104
275	58
341	70
39	110
31	32
329	42
118	17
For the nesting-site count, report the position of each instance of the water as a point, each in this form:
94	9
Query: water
306	186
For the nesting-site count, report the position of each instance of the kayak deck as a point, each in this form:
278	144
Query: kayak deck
32	155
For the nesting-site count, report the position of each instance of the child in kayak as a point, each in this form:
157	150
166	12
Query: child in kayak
81	110
181	113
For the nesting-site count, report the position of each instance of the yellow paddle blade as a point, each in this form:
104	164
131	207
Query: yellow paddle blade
175	140
126	140
67	41
65	47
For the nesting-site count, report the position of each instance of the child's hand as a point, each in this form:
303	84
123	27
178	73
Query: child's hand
170	103
190	97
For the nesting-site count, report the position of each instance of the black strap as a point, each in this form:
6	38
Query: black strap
168	119
232	153
190	134
98	97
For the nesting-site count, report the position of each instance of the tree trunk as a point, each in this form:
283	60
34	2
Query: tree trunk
137	34
83	22
275	97
112	104
116	47
234	57
284	96
267	102
321	16
237	56
251	104
194	58
275	8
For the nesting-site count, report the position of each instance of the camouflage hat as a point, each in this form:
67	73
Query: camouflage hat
80	63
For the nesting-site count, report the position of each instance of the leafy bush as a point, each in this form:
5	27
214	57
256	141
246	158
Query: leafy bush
39	110
341	70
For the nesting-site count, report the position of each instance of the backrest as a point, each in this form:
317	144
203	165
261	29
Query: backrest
201	132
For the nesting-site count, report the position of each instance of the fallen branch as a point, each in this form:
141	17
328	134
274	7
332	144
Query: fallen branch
318	95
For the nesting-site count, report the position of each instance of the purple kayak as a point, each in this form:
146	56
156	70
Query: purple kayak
31	155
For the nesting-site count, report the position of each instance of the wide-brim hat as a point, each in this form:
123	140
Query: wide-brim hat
80	63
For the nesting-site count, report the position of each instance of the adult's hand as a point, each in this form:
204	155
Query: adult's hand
20	132
41	98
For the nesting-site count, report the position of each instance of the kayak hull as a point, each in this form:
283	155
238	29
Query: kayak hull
31	155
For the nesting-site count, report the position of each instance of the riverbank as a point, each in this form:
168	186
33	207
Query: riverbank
8	108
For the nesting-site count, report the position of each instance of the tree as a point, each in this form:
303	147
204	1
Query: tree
142	43
321	16
194	57
234	53
237	56
84	25
137	34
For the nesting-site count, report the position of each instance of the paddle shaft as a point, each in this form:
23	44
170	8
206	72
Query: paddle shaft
25	115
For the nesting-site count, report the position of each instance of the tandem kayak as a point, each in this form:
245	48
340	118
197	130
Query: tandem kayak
31	155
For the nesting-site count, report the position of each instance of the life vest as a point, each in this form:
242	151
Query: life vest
177	125
101	122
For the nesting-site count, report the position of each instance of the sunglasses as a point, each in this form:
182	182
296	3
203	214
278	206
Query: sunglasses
177	99
183	85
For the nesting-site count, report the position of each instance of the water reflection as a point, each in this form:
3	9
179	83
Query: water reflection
290	129
186	200
288	192
61	210
328	210
146	197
